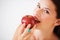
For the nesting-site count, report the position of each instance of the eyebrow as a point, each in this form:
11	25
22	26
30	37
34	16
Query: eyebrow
44	7
47	8
38	4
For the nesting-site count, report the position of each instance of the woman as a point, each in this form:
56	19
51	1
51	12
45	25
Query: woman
47	12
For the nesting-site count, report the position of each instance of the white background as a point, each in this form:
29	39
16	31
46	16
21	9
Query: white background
11	12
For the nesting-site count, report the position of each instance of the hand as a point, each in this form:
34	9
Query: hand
22	32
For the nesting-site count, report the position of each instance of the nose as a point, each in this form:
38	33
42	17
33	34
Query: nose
38	12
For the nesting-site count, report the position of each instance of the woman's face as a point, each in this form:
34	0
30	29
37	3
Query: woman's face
46	14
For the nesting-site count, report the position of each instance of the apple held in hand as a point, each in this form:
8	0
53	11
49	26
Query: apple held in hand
28	19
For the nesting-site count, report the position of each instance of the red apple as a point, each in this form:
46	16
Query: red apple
28	19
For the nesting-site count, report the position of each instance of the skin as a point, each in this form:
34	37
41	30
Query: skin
46	14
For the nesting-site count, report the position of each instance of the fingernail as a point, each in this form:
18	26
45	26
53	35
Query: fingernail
29	25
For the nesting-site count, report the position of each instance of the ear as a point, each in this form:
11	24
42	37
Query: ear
57	22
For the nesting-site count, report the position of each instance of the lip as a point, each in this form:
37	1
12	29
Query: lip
36	19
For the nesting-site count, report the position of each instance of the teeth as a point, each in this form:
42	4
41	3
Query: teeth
36	19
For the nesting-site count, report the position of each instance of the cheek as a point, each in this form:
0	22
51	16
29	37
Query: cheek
47	19
44	16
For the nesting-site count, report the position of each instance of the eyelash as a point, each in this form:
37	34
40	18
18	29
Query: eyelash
46	11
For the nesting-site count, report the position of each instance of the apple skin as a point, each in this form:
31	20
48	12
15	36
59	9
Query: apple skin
29	19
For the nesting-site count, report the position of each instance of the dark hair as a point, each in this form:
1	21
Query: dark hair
57	31
57	28
57	4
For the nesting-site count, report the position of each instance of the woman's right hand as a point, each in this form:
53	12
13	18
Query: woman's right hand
23	33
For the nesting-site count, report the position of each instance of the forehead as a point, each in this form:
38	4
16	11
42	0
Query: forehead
47	3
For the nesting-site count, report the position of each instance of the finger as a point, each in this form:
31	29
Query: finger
15	37
26	30
21	28
27	37
32	37
32	30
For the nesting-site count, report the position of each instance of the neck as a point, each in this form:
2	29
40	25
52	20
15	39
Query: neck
51	37
48	34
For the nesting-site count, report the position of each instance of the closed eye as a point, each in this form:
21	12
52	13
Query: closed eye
46	10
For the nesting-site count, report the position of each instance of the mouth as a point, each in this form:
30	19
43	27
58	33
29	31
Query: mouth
36	19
